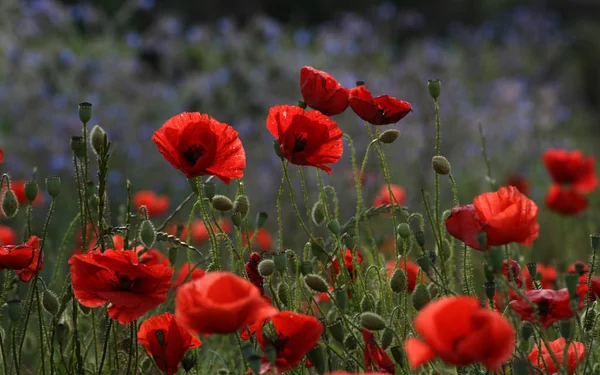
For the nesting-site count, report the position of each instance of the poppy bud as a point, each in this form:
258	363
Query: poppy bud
53	186
306	268
222	203
78	146
31	191
566	328
532	269
334	227
317	213
261	219
423	262
282	294
398	354
147	234
366	305
241	206
280	261
398	282
440	165
266	267
50	302
433	290
160	336
490	290
337	329
277	149
316	283
97	139
15	310
372	321
595	241
85	112
236	219
526	331
403	230
386	338
61	332
379	306
420	297
10	204
349	241
589	318
340	296
350	343
572	280
389	136
434	86
420	237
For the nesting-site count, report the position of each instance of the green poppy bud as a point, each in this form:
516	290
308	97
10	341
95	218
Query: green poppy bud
97	139
440	165
222	203
316	283
147	234
420	297
334	227
317	213
50	302
31	191
266	267
241	206
10	204
387	338
372	321
399	281
434	86
389	136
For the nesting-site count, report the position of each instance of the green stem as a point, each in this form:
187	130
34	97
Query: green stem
105	346
61	249
131	341
5	360
305	193
41	327
172	215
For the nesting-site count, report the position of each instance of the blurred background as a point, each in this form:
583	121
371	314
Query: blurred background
528	71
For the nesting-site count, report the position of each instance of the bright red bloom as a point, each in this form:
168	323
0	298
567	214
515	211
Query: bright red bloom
295	335
552	306
117	276
505	216
18	187
27	273
305	138
182	276
153	256
1	155
348	262
155	204
252	271
382	110
547	279
322	92
565	200
263	239
544	361
175	341
460	332
220	302
410	268
578	267
375	356
199	230
516	272
519	182
7	235
22	258
571	168
383	195
199	145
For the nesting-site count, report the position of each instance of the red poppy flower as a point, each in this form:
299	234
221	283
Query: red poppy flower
153	256
505	216
220	302
155	204
547	279
375	356
294	335
410	268
382	110
27	273
252	271
117	276
199	145
305	138
519	182
182	276
199	230
460	332
383	195
166	341
565	200
18	187
571	168
515	269
578	267
7	235
20	257
552	306
544	361
348	262
1	155
500	299
322	92
263	239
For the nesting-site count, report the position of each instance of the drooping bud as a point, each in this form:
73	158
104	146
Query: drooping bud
398	354
316	283
403	230
222	203
420	237
595	241
306	268
31	191
440	165
85	112
389	136
420	297
147	234
372	321
366	305
241	206
349	241
334	227
261	219
266	267
50	302
53	186
387	338
15	310
398	282
10	204
423	262
97	139
434	86
317	213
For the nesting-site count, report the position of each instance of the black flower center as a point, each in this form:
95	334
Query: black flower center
125	283
299	143
194	153
278	342
543	307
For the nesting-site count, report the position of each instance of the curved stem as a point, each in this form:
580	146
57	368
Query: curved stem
175	212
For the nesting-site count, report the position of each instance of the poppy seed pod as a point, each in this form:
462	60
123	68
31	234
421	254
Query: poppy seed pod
31	191
440	165
85	112
266	267
241	206
420	237
316	283
403	230
10	204
147	234
420	297
595	241
317	213
337	329
317	358
490	289
78	146
97	139
434	86
222	203
389	136
398	282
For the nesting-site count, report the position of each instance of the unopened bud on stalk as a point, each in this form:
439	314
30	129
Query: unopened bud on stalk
85	112
334	227
389	136
340	296
50	302
266	267
282	294
317	213
97	139
280	260
398	282
317	358
31	191
440	165
222	203
349	241
398	354
209	189
420	297
386	338
316	283
372	321
366	305
423	262
147	234
306	268
420	237
434	86
403	230
10	204
241	206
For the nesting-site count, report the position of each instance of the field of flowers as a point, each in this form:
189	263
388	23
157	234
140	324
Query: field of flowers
216	199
